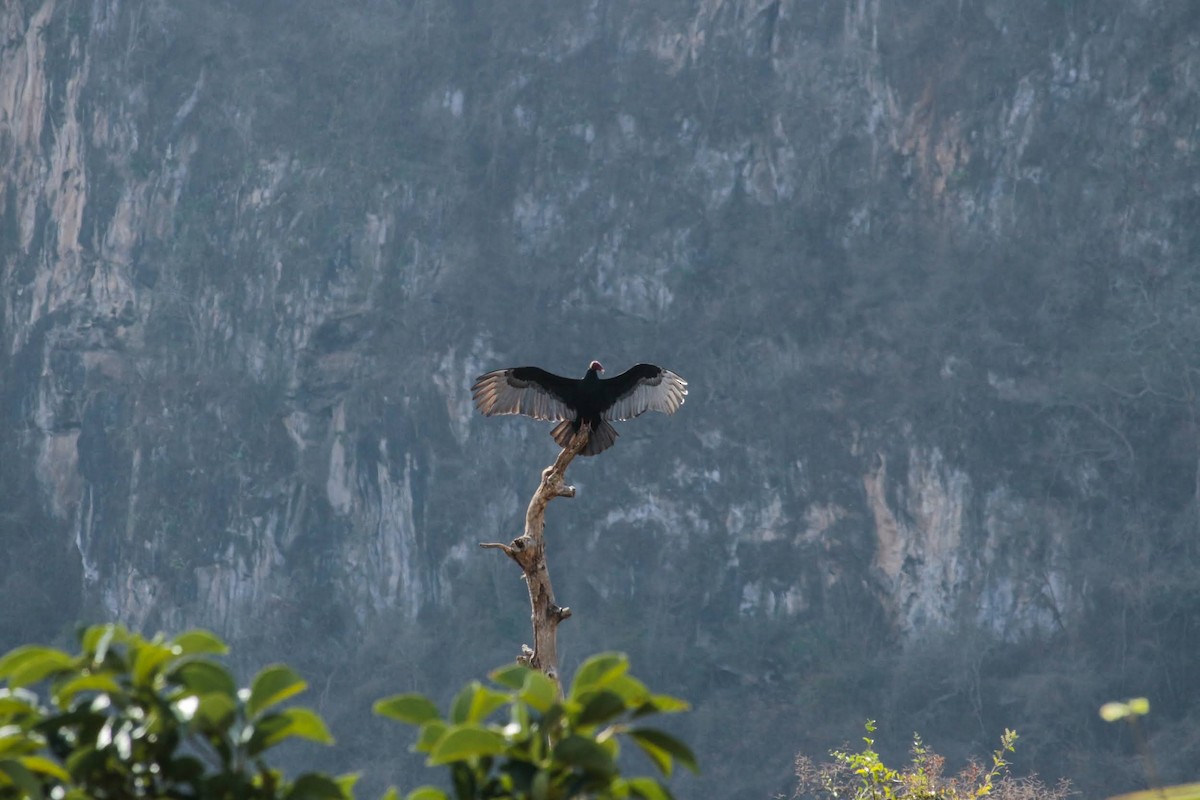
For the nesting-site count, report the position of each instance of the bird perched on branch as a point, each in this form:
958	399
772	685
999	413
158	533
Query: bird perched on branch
543	395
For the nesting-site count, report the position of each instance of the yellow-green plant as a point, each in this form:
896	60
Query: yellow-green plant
864	776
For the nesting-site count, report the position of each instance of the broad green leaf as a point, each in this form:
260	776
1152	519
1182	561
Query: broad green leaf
347	783
484	702
661	758
271	686
666	704
539	691
274	727
15	702
65	692
16	742
648	789
425	793
631	690
461	742
25	780
150	657
32	663
214	711
205	677
668	743
431	733
599	707
301	723
98	639
460	706
539	787
312	786
583	753
45	766
598	671
199	642
511	676
413	709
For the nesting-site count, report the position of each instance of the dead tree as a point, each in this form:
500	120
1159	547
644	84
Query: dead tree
529	551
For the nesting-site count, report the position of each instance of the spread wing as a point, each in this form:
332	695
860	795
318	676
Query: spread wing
642	388
524	390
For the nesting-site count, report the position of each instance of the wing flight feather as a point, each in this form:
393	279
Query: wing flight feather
643	388
522	390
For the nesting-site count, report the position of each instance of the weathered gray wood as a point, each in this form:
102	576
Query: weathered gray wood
529	551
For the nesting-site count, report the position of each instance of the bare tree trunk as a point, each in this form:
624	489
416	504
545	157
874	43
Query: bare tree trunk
529	551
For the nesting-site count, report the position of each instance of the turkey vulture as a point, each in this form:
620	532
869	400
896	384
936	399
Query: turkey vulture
569	401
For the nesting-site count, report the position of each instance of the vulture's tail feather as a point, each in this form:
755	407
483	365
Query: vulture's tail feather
603	437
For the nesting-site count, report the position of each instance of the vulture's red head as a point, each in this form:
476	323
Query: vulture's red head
595	366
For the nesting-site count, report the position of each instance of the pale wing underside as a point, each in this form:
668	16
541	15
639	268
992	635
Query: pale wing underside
663	392
501	392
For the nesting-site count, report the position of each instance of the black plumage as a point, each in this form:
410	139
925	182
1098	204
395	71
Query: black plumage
543	395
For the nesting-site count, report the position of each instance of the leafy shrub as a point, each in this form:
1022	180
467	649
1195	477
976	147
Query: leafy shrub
864	776
130	717
544	746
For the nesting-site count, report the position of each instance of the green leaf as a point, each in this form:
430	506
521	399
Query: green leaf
599	708
15	742
302	723
32	663
461	742
667	743
312	786
648	789
460	706
632	691
666	704
25	780
661	758
511	676
426	793
17	702
63	693
484	702
271	686
98	639
431	733
199	642
598	671
215	711
272	728
45	766
539	691
413	709
205	677
583	753
347	783
150	657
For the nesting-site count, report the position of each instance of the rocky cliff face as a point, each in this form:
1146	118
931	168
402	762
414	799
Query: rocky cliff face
928	271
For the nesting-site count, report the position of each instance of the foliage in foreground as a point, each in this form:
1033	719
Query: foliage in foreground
547	747
863	776
130	717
